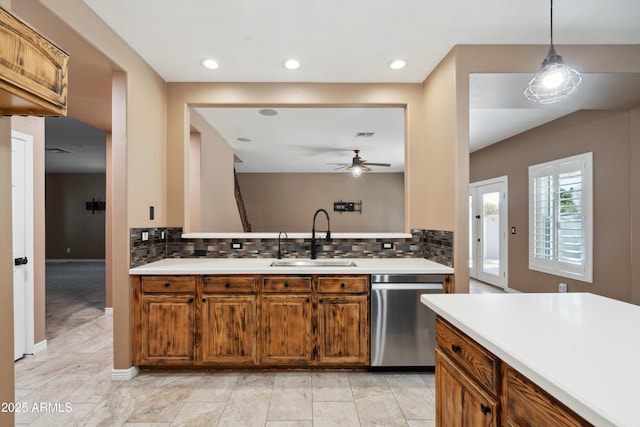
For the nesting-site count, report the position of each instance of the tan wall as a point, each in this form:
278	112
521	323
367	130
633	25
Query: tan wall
287	201
7	375
194	181
35	127
606	134
70	225
634	196
181	95
216	206
139	158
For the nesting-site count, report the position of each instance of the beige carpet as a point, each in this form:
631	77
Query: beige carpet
75	294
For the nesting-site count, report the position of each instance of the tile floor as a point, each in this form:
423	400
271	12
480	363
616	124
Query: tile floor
72	379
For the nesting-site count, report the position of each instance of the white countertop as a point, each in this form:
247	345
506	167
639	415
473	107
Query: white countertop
581	348
292	235
262	266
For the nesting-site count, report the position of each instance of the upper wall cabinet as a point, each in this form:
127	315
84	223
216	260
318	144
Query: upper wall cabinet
33	71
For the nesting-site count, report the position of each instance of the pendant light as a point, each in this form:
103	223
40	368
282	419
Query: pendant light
555	80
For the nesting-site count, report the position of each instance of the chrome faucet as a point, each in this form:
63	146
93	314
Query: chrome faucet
280	251
314	249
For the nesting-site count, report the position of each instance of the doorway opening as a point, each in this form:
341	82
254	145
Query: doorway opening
75	220
488	219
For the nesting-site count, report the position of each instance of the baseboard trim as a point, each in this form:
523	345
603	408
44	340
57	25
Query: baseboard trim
38	347
61	260
124	374
108	310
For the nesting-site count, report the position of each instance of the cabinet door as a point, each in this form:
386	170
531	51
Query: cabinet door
167	330
286	329
459	402
343	330
528	405
228	329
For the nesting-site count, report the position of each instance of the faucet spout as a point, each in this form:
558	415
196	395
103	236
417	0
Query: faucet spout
280	251
314	245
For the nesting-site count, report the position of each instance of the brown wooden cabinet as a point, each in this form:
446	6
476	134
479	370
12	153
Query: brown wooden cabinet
33	71
228	320
460	402
343	324
166	321
467	381
526	404
475	388
286	321
251	320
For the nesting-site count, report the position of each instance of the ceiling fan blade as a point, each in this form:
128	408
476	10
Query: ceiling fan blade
339	164
341	167
386	165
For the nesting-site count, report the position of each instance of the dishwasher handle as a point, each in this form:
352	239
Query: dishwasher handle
429	287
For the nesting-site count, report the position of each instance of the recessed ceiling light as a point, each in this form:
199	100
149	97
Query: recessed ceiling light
397	64
243	139
291	64
210	63
268	112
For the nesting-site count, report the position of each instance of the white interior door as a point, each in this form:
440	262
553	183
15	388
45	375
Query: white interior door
488	231
22	211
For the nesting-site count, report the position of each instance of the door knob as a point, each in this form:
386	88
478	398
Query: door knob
20	261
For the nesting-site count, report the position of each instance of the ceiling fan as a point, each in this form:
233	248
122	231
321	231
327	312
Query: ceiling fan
358	165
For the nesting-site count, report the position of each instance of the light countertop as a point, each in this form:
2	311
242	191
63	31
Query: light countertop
294	235
583	349
262	266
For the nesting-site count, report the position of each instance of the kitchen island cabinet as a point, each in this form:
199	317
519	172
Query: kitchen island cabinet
553	359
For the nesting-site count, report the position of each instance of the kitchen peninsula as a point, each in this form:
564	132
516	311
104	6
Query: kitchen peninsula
260	312
537	359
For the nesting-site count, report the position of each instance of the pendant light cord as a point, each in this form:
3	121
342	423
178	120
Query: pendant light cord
551	23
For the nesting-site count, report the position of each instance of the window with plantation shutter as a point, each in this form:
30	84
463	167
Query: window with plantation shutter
561	217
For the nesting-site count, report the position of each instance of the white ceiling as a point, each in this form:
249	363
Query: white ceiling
306	139
354	40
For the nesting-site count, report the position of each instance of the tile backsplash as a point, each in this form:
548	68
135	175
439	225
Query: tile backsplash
168	243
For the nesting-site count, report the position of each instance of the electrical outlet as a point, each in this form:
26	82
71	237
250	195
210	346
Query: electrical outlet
562	287
387	245
162	235
145	236
68	250
236	245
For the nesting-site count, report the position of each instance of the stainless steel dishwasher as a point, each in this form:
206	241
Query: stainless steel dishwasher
402	328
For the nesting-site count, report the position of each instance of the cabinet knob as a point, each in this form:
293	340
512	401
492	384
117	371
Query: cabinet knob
191	299
166	285
204	300
485	409
342	285
309	300
456	348
226	285
286	285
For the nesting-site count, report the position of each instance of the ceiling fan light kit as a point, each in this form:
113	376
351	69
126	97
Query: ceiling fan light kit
555	80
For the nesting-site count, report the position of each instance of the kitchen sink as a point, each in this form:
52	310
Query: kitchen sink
313	263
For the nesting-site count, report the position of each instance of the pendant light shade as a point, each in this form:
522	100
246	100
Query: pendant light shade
555	80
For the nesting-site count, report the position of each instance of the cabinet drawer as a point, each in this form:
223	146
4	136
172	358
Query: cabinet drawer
339	284
287	284
479	363
231	284
168	284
